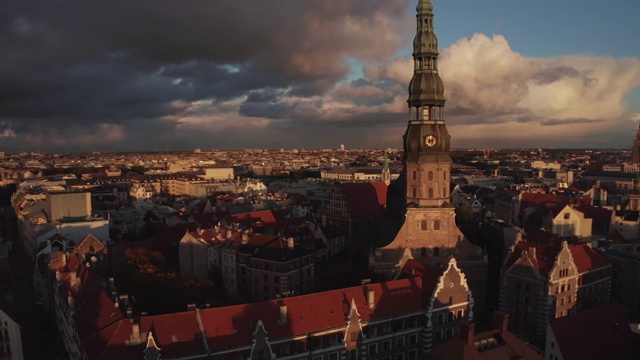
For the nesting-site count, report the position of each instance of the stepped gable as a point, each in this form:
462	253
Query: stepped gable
365	199
542	249
599	333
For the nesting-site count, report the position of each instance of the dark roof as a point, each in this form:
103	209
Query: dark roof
600	333
365	199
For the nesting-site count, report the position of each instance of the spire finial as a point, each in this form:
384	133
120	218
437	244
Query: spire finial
424	6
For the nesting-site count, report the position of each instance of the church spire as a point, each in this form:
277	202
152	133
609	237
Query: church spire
426	141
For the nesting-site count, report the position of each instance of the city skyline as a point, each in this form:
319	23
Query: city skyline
232	75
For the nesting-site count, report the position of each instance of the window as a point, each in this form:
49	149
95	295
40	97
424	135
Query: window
430	175
436	252
333	356
413	339
373	349
436	225
460	314
373	331
567	216
386	345
438	335
414	175
450	317
423	225
413	354
414	192
423	252
399	342
430	193
440	318
400	356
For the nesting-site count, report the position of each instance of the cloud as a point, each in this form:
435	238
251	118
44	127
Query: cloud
232	74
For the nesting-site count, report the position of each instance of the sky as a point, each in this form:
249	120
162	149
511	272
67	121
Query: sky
148	75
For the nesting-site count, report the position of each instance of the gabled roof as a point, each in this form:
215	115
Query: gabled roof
430	274
586	258
231	327
600	333
365	199
542	249
250	219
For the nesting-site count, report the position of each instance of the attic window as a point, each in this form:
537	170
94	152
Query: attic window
567	216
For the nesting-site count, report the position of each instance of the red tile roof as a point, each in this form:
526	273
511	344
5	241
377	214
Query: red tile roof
250	219
231	327
365	199
543	248
587	259
600	333
430	275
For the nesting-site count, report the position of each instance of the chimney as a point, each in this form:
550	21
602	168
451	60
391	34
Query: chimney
283	315
291	243
229	233
245	238
371	295
501	321
135	333
532	252
467	331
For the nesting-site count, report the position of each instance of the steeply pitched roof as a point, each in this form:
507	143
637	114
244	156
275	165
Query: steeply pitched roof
600	333
586	258
231	327
365	199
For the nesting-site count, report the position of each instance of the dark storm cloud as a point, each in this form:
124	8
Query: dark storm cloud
115	62
571	121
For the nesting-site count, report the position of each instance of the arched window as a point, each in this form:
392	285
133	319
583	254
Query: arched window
436	252
414	192
423	252
436	225
414	175
430	193
445	175
430	175
423	225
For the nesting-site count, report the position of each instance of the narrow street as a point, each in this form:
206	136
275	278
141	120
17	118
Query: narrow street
39	338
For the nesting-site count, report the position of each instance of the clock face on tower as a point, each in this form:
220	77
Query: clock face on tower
430	141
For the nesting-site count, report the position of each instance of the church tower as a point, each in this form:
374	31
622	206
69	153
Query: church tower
429	233
426	141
